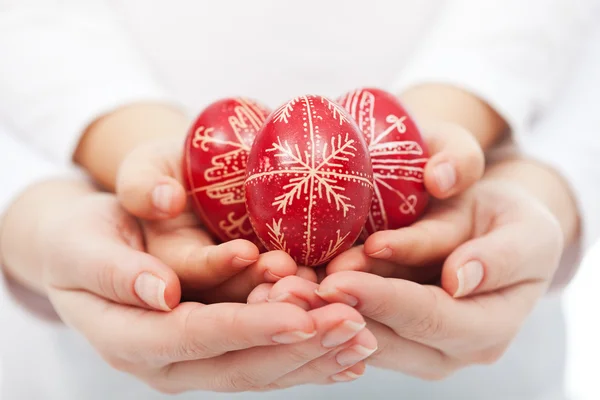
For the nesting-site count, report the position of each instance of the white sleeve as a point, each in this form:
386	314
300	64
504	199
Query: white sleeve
513	54
64	64
20	168
567	138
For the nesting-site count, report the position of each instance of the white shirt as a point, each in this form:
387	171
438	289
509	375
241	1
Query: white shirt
65	63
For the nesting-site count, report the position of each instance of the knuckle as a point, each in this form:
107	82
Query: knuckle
236	380
429	324
192	346
106	279
299	355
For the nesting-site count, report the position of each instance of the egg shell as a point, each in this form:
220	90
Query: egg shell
214	165
309	184
398	155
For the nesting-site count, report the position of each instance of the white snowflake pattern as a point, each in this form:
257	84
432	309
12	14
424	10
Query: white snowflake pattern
311	174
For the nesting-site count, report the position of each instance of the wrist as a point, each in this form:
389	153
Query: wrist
107	141
445	103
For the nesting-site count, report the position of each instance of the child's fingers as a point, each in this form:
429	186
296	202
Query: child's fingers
298	291
269	268
149	182
457	161
198	266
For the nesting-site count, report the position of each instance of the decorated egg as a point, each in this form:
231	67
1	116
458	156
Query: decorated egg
309	183
398	155
214	165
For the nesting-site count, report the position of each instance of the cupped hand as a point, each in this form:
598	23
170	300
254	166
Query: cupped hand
103	285
149	186
498	249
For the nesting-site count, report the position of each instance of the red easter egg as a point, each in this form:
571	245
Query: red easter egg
309	183
398	155
214	165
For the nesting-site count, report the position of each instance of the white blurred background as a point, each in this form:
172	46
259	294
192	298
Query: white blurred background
582	300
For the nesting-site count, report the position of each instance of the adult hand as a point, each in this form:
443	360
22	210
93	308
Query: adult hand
149	186
98	279
498	248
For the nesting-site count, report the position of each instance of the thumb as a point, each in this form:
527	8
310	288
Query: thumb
113	270
149	181
457	161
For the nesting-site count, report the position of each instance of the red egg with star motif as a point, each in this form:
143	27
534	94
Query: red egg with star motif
398	155
214	165
309	184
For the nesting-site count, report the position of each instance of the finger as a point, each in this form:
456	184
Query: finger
260	293
355	259
426	242
457	160
191	331
111	269
298	291
429	315
307	273
199	266
149	181
408	357
504	257
336	325
343	364
269	268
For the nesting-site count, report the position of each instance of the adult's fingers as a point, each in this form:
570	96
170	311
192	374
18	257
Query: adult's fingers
258	367
104	259
129	337
429	315
409	357
457	160
269	268
343	364
428	241
355	259
517	248
149	180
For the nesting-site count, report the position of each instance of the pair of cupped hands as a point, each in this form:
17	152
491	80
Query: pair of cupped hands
449	291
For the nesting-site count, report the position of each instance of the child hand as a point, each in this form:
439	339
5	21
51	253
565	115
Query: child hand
149	186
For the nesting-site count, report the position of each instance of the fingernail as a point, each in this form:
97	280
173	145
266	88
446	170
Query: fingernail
162	196
342	333
340	297
239	262
345	376
469	277
292	337
271	277
445	176
384	253
290	298
151	290
353	355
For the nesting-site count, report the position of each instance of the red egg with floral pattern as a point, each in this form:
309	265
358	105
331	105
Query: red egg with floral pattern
309	183
398	155
214	165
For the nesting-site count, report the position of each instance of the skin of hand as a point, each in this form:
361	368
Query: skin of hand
498	245
148	185
85	253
